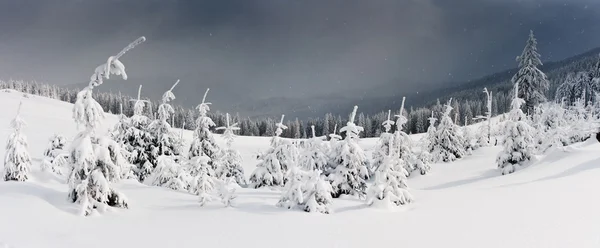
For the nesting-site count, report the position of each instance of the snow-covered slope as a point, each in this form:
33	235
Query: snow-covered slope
552	203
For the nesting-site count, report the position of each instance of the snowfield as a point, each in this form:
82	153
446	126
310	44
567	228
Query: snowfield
552	203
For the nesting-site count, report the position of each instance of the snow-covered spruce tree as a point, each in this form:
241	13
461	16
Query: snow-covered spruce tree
449	143
55	156
17	161
168	142
231	164
582	123
307	191
293	193
204	143
403	143
113	164
551	127
169	174
227	191
390	183
314	156
88	185
269	171
317	194
350	172
382	148
470	143
518	140
430	140
532	82
485	129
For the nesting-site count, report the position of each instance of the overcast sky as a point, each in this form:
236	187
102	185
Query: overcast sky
267	48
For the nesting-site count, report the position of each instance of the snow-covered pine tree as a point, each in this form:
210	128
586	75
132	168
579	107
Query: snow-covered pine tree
390	182
582	123
204	143
138	140
203	184
350	172
114	165
55	156
269	171
314	156
449	143
168	142
307	190
518	140
88	185
532	81
430	140
17	162
169	174
382	148
485	129
470	143
293	193
227	191
317	194
403	143
231	166
551	127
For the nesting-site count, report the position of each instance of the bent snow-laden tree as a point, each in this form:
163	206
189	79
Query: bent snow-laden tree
88	185
231	164
17	161
518	140
350	172
532	82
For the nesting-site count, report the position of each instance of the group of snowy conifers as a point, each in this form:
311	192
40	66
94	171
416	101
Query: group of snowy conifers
311	172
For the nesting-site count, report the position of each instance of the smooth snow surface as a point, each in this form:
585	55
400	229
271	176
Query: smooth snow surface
552	203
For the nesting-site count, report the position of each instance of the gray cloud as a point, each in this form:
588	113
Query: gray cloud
267	48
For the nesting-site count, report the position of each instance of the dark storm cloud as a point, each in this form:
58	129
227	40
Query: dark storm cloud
251	49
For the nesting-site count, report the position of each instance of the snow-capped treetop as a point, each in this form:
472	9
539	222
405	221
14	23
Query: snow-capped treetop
432	120
203	108
229	129
138	107
530	56
334	135
168	95
165	109
280	127
312	129
351	129
388	123
401	118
